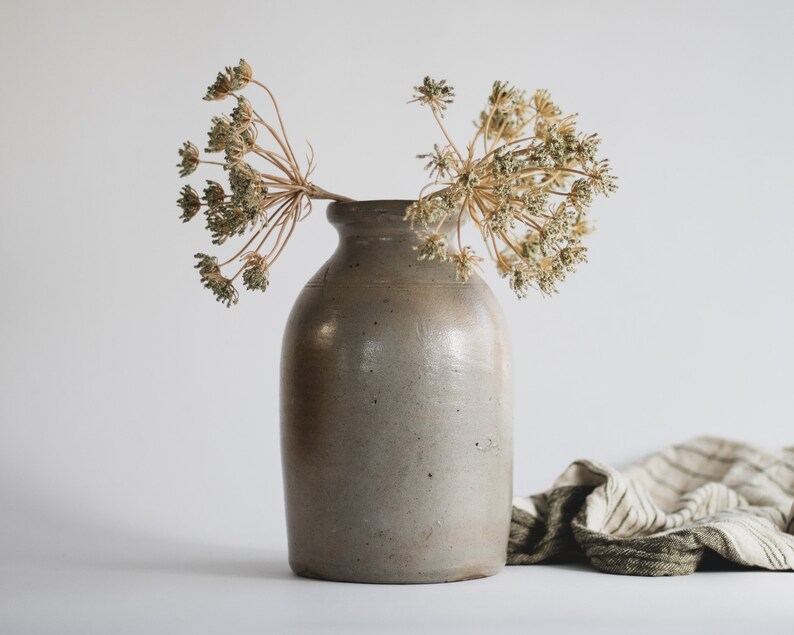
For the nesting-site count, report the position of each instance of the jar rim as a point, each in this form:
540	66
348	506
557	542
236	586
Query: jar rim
370	211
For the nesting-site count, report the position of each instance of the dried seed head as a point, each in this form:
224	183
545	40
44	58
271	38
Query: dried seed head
190	203
249	192
241	75
533	155
432	247
464	262
546	281
238	144
601	178
557	228
441	162
221	88
503	97
256	275
214	196
581	194
435	94
572	255
467	182
585	148
501	218
218	134
506	165
242	115
226	221
189	155
520	279
212	279
544	106
426	211
534	200
506	114
552	140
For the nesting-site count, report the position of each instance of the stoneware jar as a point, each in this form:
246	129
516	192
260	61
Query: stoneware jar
396	413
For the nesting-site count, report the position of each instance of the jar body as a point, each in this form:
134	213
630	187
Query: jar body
396	413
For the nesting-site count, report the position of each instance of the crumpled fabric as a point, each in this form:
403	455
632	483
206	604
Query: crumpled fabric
666	514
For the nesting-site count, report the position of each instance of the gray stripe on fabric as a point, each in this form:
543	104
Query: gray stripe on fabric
659	481
706	520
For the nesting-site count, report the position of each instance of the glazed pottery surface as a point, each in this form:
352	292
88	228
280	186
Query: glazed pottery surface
396	413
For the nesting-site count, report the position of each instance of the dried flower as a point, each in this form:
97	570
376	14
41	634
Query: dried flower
572	255
249	191
190	203
281	190
526	181
534	200
221	88
218	134
553	144
546	281
581	194
544	106
435	94
432	247
465	261
214	196
538	156
506	114
500	218
506	164
212	279
226	221
206	264
237	146
527	192
189	155
448	201
441	162
602	180
585	148
427	211
242	115
520	279
556	229
256	275
467	182
241	75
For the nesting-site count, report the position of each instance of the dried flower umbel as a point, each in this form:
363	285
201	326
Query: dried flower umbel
526	180
268	192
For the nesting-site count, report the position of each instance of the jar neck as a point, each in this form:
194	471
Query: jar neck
377	246
371	218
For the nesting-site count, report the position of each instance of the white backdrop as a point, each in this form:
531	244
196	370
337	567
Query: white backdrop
134	405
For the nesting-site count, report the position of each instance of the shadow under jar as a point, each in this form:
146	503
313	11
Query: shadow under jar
396	413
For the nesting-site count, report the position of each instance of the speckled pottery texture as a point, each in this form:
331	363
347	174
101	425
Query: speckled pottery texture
396	413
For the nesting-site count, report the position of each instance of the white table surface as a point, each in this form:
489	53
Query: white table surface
196	590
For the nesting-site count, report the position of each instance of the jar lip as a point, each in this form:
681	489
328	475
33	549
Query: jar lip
375	205
373	210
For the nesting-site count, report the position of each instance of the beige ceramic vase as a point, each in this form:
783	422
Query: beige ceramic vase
396	413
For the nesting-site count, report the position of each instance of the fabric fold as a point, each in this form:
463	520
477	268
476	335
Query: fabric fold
666	513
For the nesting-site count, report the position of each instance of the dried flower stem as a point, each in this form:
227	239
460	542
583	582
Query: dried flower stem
505	192
268	205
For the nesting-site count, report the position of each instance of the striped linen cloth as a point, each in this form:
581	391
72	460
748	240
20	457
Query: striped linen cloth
664	514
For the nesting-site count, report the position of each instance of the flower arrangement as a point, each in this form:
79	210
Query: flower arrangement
525	180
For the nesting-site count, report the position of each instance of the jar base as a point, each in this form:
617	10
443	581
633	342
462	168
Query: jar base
460	574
